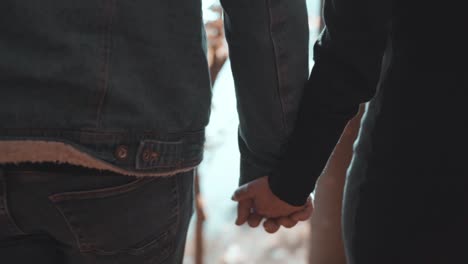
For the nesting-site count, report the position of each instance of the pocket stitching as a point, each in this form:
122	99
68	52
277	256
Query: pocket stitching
4	206
85	247
132	251
101	193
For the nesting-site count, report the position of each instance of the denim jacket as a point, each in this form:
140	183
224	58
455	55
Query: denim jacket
126	83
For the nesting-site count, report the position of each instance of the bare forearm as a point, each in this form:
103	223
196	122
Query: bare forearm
326	244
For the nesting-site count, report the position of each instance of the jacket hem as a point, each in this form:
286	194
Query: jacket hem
36	151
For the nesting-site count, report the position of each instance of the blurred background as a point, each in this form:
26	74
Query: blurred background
213	237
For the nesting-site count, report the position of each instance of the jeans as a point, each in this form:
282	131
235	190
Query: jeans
62	214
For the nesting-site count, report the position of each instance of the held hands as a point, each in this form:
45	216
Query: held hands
256	201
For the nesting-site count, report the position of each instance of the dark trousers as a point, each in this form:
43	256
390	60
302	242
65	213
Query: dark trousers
413	212
63	214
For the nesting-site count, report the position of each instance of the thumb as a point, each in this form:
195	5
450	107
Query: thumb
305	213
242	193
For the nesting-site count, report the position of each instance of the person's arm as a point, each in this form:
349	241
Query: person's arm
258	195
268	49
348	58
326	242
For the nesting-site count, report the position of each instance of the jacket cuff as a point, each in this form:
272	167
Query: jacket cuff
305	157
287	192
250	172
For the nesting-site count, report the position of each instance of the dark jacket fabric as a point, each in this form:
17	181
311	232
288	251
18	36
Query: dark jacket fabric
127	82
409	61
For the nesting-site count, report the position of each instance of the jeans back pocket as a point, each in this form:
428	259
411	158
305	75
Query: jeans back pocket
131	219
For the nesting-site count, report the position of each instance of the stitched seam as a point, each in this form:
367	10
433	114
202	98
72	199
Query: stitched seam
107	132
102	193
103	85
91	247
75	235
132	251
177	192
278	77
6	209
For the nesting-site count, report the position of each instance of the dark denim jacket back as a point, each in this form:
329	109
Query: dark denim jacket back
102	75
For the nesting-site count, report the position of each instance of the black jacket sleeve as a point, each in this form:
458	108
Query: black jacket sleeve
347	64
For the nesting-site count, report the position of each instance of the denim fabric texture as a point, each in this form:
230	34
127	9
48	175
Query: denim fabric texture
75	215
105	75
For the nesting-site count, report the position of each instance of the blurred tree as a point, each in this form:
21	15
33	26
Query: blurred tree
217	46
217	56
